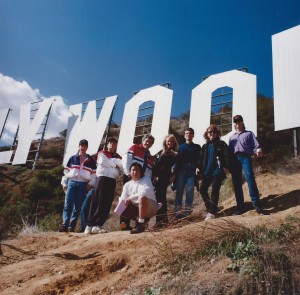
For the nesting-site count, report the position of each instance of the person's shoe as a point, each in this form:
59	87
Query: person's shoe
63	229
179	216
239	212
259	210
160	224
88	229
71	230
98	230
139	228
209	216
124	226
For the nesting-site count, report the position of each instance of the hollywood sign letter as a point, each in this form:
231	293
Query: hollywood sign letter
27	132
286	73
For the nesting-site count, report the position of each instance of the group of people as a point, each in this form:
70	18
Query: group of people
146	179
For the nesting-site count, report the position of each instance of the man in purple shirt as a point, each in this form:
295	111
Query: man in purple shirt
243	144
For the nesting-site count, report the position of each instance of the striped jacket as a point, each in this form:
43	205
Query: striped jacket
82	172
137	153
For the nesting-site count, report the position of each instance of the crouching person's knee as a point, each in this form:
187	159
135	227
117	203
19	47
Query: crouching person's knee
143	200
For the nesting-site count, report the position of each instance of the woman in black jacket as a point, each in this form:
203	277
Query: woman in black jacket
215	160
164	176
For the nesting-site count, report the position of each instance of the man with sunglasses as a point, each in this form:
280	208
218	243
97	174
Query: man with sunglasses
188	160
243	144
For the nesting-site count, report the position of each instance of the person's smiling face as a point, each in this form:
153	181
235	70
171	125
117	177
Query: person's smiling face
212	134
147	143
135	173
170	143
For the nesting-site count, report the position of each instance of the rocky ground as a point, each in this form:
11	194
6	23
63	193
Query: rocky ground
120	263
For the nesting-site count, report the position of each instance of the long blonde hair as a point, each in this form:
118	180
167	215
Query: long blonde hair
174	148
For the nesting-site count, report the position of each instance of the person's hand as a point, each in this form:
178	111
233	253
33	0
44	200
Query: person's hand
64	188
259	153
127	202
226	170
172	179
88	187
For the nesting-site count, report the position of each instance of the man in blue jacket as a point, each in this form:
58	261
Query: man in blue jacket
79	177
188	160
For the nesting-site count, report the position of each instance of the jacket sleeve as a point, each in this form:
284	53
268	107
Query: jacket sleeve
127	161
201	160
256	145
118	163
93	179
64	179
105	162
227	156
93	173
198	163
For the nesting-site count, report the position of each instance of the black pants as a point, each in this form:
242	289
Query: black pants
211	203
123	219
101	202
161	197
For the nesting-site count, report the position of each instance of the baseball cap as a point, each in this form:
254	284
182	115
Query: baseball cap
83	142
237	118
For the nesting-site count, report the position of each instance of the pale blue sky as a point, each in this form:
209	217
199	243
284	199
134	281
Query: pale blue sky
83	50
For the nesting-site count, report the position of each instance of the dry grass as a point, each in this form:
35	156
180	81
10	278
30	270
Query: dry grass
258	261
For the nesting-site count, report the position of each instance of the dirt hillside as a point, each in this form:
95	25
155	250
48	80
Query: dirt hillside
120	263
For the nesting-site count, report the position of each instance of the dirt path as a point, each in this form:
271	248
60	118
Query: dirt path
117	262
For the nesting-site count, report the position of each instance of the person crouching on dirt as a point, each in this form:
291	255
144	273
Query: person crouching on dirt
80	177
139	192
137	153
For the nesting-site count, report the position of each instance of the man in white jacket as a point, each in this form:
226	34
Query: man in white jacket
109	165
139	191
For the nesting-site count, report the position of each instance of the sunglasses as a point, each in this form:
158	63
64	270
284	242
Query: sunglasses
212	132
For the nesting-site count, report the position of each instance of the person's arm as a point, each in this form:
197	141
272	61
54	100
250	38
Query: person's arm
92	181
127	161
256	147
64	180
118	163
227	156
105	161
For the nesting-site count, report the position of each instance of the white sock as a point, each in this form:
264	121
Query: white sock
141	220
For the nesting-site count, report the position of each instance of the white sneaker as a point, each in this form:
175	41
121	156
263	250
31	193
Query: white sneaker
88	230
209	216
98	230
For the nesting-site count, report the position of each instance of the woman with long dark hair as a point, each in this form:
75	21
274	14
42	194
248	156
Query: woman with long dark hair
215	160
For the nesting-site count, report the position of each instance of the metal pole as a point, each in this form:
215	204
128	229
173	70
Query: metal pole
41	141
295	143
4	123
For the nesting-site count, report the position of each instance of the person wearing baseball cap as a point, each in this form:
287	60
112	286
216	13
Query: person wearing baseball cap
79	177
243	144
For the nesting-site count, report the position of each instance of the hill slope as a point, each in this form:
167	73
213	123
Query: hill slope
120	263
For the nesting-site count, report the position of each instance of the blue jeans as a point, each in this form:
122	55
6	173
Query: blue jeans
85	209
74	198
243	163
185	177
